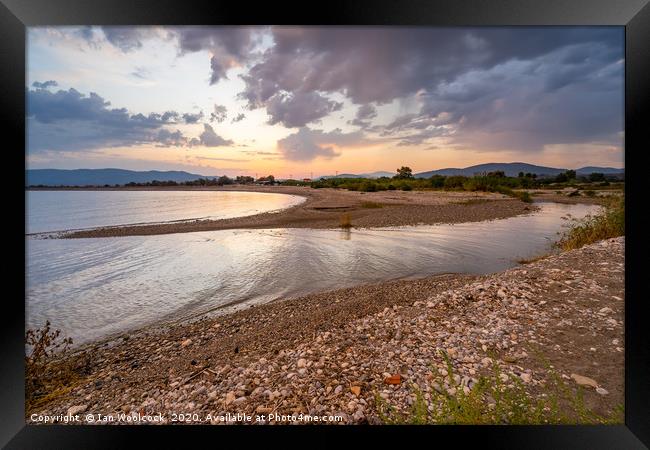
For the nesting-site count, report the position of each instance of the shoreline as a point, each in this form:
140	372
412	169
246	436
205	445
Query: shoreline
323	209
305	354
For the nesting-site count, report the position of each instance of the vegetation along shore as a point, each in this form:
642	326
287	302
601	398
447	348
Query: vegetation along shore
383	202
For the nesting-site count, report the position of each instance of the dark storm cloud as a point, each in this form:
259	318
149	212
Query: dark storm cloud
229	46
458	72
307	144
523	105
70	120
380	64
299	109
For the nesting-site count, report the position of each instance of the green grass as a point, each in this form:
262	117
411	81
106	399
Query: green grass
609	224
495	401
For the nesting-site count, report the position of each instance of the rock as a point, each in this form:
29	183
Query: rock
263	409
240	400
510	359
302	362
584	381
356	390
602	391
230	397
526	377
186	342
74	410
393	379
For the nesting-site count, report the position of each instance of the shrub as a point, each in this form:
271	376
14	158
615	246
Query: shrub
407	187
454	182
368	186
524	196
437	181
608	224
391	187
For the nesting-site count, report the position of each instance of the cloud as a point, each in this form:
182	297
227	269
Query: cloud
481	88
380	64
307	144
192	118
210	139
219	114
45	84
239	117
299	109
70	120
363	116
557	98
229	46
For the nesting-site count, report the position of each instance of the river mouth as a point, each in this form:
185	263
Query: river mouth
94	288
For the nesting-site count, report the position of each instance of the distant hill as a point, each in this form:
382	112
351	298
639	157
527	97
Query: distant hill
603	170
513	169
361	175
100	177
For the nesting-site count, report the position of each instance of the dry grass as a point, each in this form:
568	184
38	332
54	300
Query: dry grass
609	224
50	369
532	260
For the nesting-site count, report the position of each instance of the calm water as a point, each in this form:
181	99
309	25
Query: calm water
49	211
91	288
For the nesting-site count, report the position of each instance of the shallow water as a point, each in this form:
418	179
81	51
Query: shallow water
49	211
91	288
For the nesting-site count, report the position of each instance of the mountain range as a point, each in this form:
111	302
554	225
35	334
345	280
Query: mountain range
101	177
510	169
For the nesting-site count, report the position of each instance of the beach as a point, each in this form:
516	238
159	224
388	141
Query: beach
337	353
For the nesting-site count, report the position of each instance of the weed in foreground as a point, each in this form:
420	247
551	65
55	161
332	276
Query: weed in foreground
50	370
608	224
496	399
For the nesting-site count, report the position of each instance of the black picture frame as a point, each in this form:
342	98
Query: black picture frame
634	15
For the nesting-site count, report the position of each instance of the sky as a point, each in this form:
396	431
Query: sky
309	101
